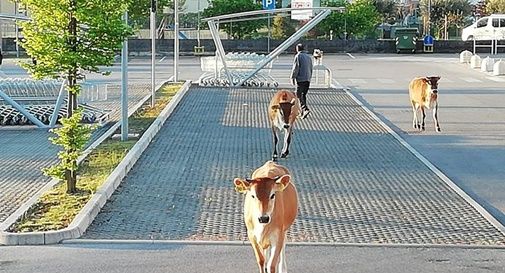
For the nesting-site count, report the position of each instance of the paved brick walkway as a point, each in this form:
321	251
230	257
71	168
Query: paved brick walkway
356	182
24	151
22	155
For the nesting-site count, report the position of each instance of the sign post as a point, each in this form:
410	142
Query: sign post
269	5
305	13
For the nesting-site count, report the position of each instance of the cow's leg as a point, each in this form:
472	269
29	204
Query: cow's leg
423	113
435	117
275	254
275	138
267	253
258	252
282	262
287	140
414	119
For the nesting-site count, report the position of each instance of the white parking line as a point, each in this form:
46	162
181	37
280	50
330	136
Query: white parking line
387	81
162	59
496	79
471	80
445	80
357	81
351	56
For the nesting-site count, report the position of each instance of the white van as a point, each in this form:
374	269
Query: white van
486	28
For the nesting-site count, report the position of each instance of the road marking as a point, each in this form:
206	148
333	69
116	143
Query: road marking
386	81
445	80
350	55
496	79
471	80
357	81
162	59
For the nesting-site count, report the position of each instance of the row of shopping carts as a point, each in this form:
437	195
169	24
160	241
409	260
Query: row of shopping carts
38	98
11	116
239	65
30	88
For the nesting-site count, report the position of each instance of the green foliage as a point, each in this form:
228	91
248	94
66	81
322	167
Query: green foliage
359	20
138	10
237	30
72	137
495	6
278	31
456	11
363	18
100	31
479	9
56	209
387	10
68	38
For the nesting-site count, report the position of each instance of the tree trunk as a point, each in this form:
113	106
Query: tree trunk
71	176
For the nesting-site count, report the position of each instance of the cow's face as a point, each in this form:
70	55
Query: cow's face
260	195
433	83
284	110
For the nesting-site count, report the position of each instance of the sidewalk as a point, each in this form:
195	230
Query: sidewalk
356	182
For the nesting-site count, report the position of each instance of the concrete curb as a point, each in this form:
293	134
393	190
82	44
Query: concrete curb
92	208
490	218
246	243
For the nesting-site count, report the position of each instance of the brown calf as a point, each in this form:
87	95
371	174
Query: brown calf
424	94
270	208
282	112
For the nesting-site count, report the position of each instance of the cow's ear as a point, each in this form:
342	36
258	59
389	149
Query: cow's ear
241	186
282	182
276	107
426	79
438	77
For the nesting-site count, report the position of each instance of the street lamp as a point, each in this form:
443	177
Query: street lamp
153	50
124	85
176	40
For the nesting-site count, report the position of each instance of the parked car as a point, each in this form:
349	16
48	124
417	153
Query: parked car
486	28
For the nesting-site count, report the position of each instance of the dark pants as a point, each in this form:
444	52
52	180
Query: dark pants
301	92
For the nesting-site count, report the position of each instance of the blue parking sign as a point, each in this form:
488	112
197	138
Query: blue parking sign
268	4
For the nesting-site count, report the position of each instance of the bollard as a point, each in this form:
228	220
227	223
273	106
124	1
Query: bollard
464	57
487	64
475	61
499	68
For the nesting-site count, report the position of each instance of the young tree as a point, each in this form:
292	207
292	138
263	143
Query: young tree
479	9
138	10
68	38
454	11
278	27
387	10
495	6
359	19
336	21
237	30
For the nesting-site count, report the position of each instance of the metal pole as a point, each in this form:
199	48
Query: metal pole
429	17
124	86
16	29
198	24
280	48
269	34
153	51
176	41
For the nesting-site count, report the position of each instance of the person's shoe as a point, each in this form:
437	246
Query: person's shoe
305	113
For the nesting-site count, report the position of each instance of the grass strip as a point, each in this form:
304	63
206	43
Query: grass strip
56	209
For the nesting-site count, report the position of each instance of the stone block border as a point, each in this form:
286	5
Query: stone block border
92	208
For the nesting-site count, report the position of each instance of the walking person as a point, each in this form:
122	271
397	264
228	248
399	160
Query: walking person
300	76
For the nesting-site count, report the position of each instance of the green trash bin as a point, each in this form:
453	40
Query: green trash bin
406	39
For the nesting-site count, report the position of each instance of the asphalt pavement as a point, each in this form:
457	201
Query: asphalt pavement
469	150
